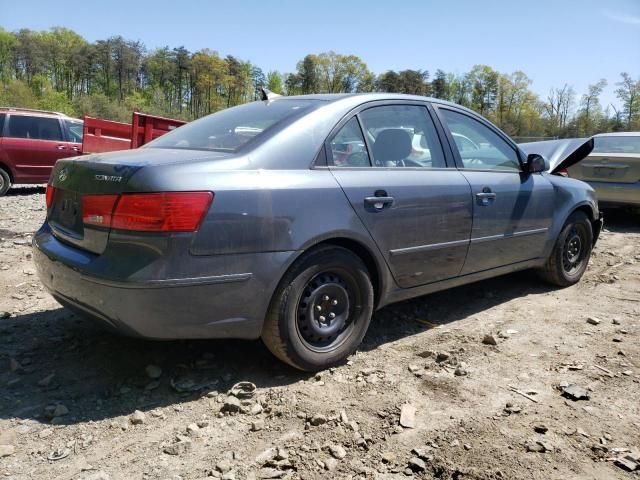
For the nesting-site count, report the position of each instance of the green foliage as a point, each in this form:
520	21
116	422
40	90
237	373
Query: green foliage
17	93
100	105
59	70
329	72
590	118
274	82
629	94
411	82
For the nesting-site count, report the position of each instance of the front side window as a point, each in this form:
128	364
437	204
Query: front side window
402	136
348	148
616	144
480	148
75	130
230	129
35	128
2	117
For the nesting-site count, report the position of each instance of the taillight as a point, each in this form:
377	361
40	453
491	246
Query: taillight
147	212
563	172
97	209
51	190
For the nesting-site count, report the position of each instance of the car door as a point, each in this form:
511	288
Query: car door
73	130
389	161
512	210
3	155
33	144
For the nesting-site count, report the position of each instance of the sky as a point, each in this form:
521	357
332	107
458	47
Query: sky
554	42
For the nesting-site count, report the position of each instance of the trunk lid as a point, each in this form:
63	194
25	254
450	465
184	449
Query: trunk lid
602	167
109	173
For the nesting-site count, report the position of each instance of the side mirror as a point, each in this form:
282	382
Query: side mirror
536	163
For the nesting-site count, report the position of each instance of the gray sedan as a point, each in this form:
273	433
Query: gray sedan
293	219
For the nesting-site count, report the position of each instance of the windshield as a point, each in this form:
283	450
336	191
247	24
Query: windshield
230	129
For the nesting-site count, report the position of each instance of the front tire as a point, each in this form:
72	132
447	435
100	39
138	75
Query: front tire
5	182
571	253
321	310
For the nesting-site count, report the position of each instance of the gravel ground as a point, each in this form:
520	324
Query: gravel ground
506	378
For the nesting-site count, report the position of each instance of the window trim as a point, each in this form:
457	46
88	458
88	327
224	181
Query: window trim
456	154
449	159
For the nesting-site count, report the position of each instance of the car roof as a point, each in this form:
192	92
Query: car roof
360	98
34	112
618	134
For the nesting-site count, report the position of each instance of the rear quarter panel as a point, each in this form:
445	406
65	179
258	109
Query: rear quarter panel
258	211
275	210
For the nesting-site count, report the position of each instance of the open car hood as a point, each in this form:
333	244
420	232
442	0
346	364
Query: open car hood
560	153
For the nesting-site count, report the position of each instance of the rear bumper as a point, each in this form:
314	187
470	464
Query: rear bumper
610	193
230	301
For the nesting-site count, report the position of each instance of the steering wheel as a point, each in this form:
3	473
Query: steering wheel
357	159
473	162
407	162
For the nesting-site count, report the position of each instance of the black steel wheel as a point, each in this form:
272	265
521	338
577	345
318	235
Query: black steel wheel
321	310
571	253
5	182
324	310
574	249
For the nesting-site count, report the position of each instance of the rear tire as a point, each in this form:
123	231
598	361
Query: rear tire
321	310
570	256
5	182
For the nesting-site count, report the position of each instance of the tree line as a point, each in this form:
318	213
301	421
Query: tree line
59	70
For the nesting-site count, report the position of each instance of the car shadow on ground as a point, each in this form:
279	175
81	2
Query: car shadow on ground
414	316
622	220
24	191
65	359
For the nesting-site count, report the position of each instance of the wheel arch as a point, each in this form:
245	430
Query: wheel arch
375	265
592	215
367	257
6	168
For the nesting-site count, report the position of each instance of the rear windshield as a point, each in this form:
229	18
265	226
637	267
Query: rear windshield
230	129
617	144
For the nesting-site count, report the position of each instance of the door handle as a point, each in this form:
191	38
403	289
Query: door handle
485	197
61	147
378	203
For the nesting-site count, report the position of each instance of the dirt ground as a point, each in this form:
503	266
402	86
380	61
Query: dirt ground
79	403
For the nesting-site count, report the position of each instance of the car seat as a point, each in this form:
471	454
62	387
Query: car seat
391	146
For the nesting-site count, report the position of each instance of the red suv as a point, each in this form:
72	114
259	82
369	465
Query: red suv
30	143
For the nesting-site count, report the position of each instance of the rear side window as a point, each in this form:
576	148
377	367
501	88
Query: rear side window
616	144
348	148
480	148
230	129
2	117
75	130
35	128
402	136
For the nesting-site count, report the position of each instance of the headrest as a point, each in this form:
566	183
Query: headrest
392	145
